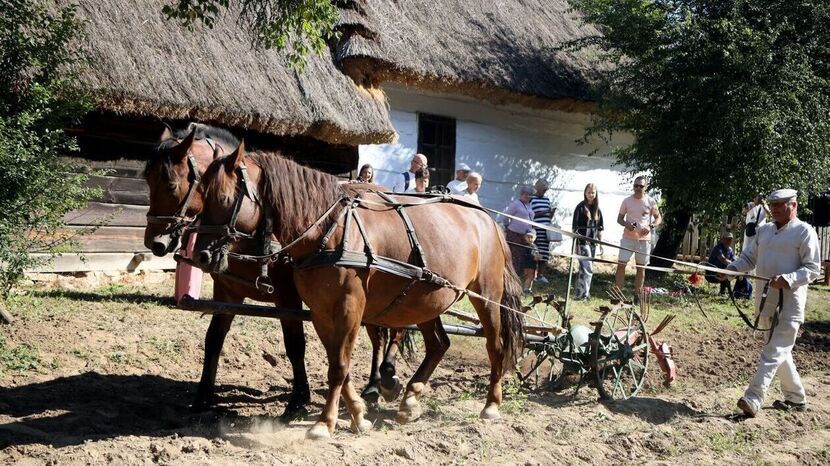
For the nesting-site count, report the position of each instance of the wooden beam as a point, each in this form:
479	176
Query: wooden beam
119	215
121	190
106	262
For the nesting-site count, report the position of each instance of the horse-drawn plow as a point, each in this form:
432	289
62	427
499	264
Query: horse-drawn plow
611	355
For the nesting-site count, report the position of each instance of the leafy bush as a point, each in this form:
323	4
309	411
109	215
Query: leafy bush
39	96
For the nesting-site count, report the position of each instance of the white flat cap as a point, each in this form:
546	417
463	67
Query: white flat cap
782	195
462	167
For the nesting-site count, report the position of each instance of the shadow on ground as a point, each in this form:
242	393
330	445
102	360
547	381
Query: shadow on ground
69	410
102	297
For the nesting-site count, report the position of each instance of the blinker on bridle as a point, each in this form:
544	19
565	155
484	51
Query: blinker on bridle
228	231
178	221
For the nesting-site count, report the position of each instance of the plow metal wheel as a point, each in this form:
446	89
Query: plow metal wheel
538	367
619	353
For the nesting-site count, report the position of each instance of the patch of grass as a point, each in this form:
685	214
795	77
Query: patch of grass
82	354
20	358
515	397
736	442
119	355
168	348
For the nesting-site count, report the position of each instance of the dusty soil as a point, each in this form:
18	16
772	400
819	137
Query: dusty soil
105	374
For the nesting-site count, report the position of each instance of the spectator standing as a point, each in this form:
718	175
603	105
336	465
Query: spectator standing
366	174
405	182
459	184
788	252
756	215
470	193
639	215
530	257
421	180
542	213
515	230
588	222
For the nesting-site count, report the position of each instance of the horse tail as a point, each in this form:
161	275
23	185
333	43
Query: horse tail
407	345
512	327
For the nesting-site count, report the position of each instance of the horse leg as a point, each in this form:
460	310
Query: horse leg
378	336
436	342
294	337
390	384
489	315
338	331
214	340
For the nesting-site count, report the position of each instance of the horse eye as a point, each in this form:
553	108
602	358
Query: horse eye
223	198
172	187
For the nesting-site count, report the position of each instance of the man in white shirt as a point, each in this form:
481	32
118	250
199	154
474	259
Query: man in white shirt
405	182
459	184
787	251
639	215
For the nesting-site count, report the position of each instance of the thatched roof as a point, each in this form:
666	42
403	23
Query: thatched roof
146	65
499	51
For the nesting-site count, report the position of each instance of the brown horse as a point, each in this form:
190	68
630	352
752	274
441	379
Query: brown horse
305	207
172	175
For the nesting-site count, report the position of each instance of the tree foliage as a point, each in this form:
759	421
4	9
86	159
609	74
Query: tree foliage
297	26
39	97
724	98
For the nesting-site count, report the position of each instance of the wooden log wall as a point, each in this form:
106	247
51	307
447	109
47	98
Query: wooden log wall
121	145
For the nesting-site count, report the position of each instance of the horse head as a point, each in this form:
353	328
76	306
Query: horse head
231	211
172	175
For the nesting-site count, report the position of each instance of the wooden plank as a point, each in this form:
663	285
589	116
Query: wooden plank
106	262
112	239
121	190
127	168
118	215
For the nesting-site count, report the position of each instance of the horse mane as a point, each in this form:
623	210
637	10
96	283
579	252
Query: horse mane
298	194
224	137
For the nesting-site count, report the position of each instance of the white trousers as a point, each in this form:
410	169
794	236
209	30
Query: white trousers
777	358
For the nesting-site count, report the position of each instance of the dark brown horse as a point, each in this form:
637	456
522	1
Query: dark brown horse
172	175
462	245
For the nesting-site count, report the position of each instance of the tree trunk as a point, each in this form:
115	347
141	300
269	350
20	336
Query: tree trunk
675	223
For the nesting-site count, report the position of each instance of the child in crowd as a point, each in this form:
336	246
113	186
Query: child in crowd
530	260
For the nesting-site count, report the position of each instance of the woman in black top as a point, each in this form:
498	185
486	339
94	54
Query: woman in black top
587	222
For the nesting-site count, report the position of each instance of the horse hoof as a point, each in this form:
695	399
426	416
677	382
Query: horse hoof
490	413
405	417
363	426
371	395
391	394
319	431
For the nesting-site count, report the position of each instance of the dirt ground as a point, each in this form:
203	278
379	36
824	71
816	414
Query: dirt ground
95	373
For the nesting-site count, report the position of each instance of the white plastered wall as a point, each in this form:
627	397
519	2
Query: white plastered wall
510	146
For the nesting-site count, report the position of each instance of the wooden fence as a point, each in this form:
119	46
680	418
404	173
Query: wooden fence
700	239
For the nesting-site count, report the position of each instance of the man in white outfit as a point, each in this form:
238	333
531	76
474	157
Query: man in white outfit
459	184
787	252
405	182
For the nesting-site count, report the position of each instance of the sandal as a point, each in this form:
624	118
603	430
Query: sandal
785	405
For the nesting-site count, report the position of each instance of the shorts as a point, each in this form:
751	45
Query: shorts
642	248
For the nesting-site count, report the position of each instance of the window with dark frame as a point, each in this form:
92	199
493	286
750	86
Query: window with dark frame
436	140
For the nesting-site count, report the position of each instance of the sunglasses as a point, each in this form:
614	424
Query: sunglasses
639	186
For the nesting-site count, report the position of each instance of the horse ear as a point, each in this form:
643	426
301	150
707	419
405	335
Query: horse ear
236	158
184	147
166	134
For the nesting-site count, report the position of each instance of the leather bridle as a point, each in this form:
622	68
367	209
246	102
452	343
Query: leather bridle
177	222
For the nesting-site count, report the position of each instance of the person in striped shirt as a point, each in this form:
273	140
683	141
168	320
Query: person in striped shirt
543	212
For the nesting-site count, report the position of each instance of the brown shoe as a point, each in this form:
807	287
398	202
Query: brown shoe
747	408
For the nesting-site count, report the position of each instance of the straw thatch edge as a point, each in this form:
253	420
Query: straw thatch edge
124	104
